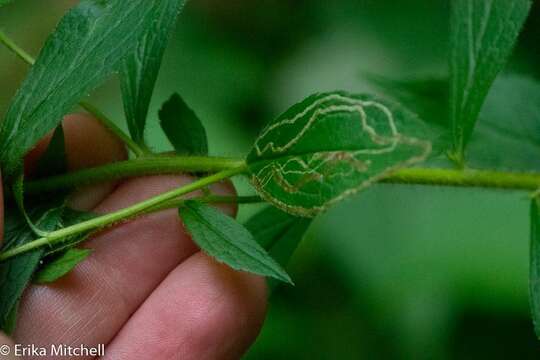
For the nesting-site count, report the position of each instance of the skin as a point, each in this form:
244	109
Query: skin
146	291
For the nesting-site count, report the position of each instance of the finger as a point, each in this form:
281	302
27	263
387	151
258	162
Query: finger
88	143
202	310
6	348
92	303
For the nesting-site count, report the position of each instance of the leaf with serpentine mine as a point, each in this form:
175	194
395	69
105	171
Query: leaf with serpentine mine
330	146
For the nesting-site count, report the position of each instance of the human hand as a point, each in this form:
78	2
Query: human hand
146	292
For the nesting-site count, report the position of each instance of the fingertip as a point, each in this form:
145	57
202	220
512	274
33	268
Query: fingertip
225	188
88	143
232	308
203	310
228	308
6	347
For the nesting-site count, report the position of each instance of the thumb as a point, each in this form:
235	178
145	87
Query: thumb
6	348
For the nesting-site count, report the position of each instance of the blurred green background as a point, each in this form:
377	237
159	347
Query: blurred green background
398	272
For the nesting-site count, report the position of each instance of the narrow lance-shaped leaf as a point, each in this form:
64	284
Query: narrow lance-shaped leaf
140	69
482	35
534	266
225	239
15	273
61	265
330	146
182	127
88	44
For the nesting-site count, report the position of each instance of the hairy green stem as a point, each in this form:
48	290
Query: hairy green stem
155	165
466	178
132	145
58	236
161	165
425	176
210	199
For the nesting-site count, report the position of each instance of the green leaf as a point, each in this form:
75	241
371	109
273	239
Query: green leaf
69	217
18	194
482	35
269	224
223	238
5	2
89	43
53	161
496	143
182	127
507	136
330	146
534	267
140	69
278	233
15	273
61	265
11	319
426	96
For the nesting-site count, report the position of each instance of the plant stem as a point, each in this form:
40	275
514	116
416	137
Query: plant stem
122	214
161	165
137	149
466	178
209	199
231	167
132	145
17	50
155	165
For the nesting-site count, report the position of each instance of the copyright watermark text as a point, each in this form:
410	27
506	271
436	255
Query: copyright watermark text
59	350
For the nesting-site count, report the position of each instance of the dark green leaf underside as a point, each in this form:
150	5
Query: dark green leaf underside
53	161
507	136
278	233
427	97
61	265
183	128
223	238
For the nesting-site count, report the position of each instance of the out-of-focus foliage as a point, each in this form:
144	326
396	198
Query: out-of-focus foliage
395	273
